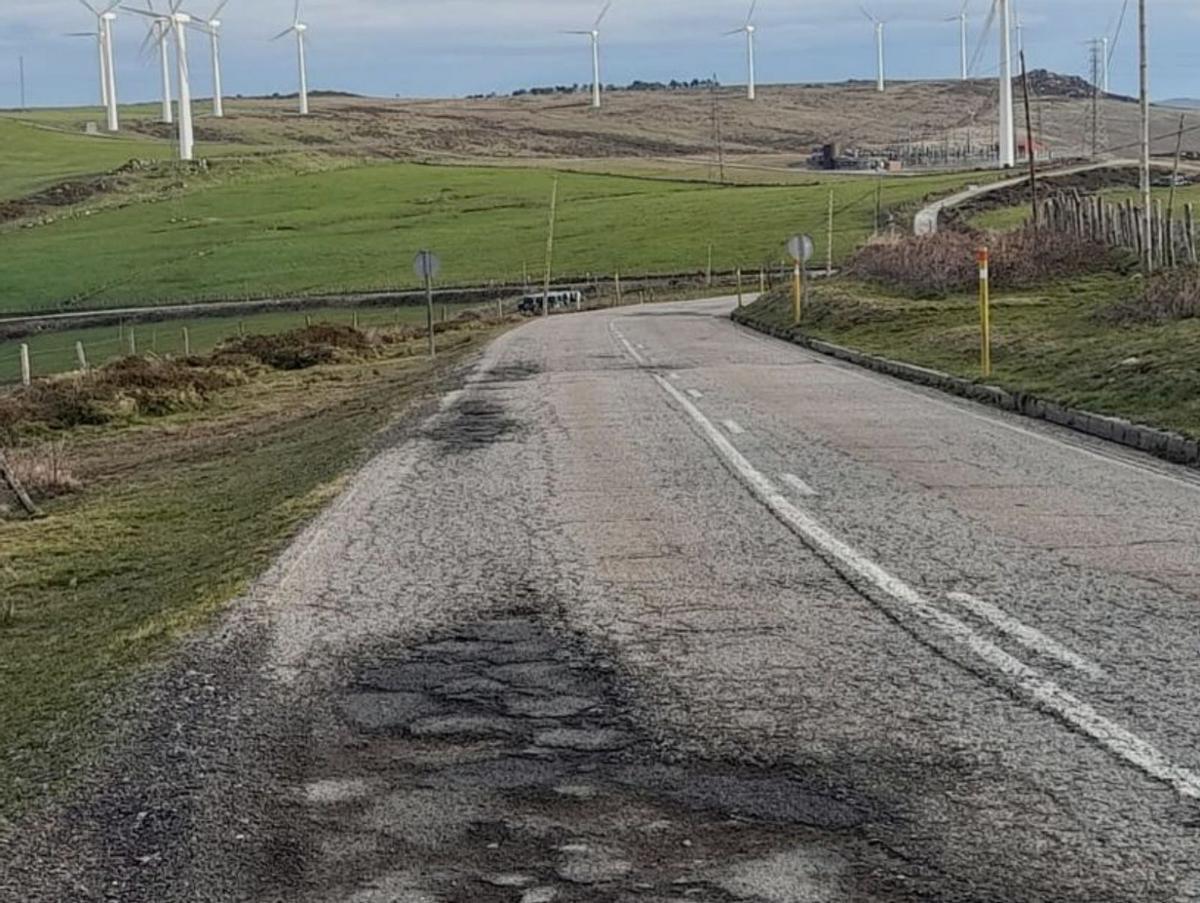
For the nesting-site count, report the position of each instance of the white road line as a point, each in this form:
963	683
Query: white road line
695	393
1027	636
798	484
844	558
734	427
674	376
964	407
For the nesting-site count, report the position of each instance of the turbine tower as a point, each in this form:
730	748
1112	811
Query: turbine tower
961	19
1008	150
108	79
214	36
594	34
881	83
174	25
298	28
749	29
154	36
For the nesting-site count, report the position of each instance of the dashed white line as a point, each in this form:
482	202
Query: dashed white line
695	393
798	484
735	428
1027	636
1043	692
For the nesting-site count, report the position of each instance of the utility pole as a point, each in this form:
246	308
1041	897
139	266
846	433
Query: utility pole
1144	97
550	248
1030	146
718	138
1097	77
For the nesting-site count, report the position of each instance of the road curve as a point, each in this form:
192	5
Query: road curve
654	608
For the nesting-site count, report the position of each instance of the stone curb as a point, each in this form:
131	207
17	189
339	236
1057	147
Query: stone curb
1162	444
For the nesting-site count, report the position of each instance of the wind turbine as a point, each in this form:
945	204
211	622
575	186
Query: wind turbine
298	28
594	34
1008	150
214	35
748	28
879	23
175	24
108	79
961	19
157	32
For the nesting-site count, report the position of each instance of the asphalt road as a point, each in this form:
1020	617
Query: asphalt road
653	608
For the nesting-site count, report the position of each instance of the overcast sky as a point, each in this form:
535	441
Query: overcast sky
424	48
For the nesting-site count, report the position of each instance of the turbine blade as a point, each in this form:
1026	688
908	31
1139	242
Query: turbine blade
599	18
81	34
870	18
575	32
112	6
284	33
158	17
296	19
94	11
750	15
726	34
217	12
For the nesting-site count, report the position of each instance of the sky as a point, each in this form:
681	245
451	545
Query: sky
440	48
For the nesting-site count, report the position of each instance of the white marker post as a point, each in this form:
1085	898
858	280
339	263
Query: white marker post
26	372
427	266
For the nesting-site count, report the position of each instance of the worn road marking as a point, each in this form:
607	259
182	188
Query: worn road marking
734	427
1027	636
798	484
846	559
695	393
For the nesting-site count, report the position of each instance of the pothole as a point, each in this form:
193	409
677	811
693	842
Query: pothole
497	763
471	424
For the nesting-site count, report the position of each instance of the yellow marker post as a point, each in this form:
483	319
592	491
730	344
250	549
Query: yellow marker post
985	314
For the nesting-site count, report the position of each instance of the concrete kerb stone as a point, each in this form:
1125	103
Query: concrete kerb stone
1163	444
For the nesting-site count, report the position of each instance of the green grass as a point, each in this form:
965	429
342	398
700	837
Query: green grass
54	352
1048	342
1005	218
358	228
179	514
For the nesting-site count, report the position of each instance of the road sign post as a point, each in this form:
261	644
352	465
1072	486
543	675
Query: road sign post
800	247
985	313
426	265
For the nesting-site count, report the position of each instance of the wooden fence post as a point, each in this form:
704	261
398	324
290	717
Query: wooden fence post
617	283
187	343
26	371
18	490
1190	231
132	342
81	357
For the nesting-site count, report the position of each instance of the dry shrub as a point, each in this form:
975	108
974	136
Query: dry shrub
1167	296
148	386
933	266
43	470
323	343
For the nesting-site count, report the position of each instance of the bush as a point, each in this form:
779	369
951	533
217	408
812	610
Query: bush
301	349
148	386
933	266
1167	295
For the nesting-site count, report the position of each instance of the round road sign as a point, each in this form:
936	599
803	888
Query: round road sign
801	248
426	265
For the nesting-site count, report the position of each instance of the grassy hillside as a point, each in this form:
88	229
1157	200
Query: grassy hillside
358	228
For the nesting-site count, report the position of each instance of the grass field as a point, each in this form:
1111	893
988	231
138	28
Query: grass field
358	229
54	352
177	515
1048	342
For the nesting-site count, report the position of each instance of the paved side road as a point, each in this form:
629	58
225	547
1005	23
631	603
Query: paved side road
653	608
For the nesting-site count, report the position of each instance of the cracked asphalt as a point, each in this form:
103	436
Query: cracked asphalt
652	608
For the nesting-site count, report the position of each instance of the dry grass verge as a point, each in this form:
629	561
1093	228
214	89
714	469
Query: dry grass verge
1167	296
935	266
